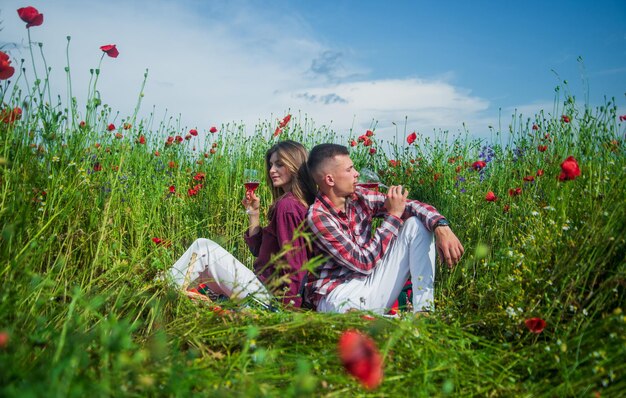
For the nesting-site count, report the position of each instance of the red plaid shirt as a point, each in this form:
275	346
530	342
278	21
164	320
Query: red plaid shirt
345	239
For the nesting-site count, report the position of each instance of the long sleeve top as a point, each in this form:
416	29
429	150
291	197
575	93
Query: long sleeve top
288	215
346	240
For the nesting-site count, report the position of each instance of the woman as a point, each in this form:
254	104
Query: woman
279	256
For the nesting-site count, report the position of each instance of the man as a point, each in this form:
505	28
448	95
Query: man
365	270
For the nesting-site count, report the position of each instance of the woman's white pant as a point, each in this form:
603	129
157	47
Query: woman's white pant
412	253
207	262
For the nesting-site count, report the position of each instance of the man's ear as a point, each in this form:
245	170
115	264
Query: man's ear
329	180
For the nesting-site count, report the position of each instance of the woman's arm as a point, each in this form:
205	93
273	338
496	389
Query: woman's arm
252	204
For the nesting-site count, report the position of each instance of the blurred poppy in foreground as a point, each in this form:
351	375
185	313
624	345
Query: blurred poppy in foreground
6	70
535	325
361	358
569	169
8	116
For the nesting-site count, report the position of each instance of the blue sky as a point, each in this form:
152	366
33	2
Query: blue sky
342	63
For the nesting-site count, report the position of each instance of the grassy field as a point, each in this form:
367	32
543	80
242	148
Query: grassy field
94	207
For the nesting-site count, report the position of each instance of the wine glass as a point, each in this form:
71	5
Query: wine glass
251	182
369	179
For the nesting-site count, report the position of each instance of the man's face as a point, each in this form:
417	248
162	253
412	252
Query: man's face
344	175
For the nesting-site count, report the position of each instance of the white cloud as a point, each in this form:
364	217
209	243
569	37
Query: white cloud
231	63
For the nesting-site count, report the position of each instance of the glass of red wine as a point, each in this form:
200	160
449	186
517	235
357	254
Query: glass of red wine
250	181
369	179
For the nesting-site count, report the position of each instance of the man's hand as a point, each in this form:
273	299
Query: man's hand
396	200
448	245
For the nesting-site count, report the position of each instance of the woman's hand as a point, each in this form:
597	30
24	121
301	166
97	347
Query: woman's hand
251	203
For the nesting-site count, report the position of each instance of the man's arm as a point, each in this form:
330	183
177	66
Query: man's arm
340	246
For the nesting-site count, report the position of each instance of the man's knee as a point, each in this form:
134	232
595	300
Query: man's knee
413	229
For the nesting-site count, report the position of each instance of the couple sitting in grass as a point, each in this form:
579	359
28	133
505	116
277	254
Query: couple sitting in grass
361	268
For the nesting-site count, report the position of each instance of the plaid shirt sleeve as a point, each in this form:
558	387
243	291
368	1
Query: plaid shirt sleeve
426	213
336	241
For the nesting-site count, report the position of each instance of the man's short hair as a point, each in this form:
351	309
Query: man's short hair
321	153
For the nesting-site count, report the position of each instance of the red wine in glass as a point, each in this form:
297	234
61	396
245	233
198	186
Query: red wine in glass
251	186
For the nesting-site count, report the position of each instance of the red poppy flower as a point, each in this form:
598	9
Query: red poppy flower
506	208
30	15
277	131
515	192
171	164
6	70
529	178
361	358
142	140
97	166
491	197
458	169
214	145
535	127
411	138
82	124
565	119
172	189
127	126
193	132
367	141
535	325
156	153
213	129
353	143
372	151
369	133
4	339
192	192
9	116
284	122
188	137
212	151
436	176
179	139
111	127
110	50
539	172
479	165
622	118
542	148
394	163
199	176
119	136
157	240
569	169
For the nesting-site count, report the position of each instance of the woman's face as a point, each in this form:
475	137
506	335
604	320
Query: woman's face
279	174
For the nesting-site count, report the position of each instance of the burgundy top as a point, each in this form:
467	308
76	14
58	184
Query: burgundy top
288	214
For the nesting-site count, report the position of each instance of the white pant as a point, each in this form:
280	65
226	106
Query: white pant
412	252
207	262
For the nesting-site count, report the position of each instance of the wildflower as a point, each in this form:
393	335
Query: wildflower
119	136
367	141
565	119
82	124
535	325
487	153
171	164
141	140
506	208
478	165
178	139
156	153
214	145
9	116
277	132
169	141
172	189
161	242
4	339
110	50
213	129
372	151
458	169
212	151
111	127
436	176
529	178
515	192
127	126
394	163
97	166
352	143
187	137
193	132
192	192
539	172
411	138
361	358
491	197
199	176
369	133
535	127
569	169
283	123
6	70
30	15
542	148
622	118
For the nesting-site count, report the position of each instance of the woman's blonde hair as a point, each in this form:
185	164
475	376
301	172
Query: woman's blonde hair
294	156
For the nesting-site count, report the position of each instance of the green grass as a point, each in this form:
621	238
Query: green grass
86	312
